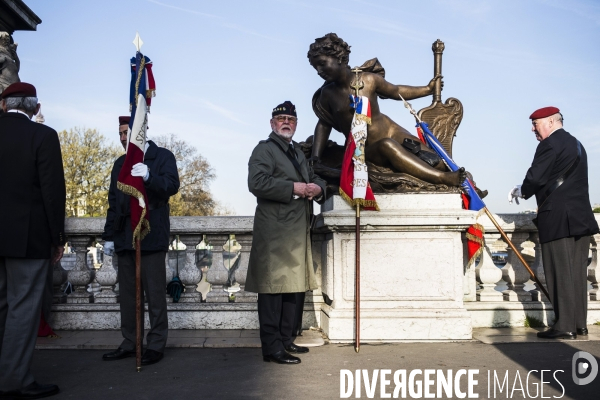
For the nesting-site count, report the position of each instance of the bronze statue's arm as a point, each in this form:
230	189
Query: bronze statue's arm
322	132
389	90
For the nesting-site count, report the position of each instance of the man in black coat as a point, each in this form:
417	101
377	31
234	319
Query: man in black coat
32	238
558	177
161	179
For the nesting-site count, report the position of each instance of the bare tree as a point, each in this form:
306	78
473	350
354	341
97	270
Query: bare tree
87	160
195	174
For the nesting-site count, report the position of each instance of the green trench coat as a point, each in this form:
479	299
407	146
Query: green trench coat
280	259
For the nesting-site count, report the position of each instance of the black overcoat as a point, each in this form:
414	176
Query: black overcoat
162	184
32	188
567	211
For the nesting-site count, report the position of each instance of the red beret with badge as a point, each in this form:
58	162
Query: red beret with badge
544	112
19	89
124	120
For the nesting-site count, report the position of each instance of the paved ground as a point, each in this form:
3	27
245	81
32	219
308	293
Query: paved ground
230	372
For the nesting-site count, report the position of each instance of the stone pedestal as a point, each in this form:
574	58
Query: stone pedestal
412	265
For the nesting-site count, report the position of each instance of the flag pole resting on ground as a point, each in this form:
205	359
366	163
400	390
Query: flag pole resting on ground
354	180
474	202
139	324
141	90
357	285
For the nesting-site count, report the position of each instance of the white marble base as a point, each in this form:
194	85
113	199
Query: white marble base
180	315
412	266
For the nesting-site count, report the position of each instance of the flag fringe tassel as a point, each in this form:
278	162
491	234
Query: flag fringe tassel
362	202
143	226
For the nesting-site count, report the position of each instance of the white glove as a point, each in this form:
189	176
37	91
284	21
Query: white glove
514	194
109	248
141	169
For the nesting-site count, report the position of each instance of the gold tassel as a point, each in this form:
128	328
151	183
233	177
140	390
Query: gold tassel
143	227
362	202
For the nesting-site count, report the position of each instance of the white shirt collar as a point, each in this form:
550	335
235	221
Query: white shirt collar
20	112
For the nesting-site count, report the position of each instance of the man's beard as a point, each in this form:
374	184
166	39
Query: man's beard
286	135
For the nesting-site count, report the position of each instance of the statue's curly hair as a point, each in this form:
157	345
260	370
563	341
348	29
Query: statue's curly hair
330	45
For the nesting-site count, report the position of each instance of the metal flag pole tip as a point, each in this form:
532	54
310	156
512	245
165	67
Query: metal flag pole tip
137	41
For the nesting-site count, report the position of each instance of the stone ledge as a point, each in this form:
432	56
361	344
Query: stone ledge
221	316
504	314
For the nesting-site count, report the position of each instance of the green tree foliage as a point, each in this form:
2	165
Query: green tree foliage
87	161
195	174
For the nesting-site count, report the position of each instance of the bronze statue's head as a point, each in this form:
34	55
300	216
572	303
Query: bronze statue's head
332	46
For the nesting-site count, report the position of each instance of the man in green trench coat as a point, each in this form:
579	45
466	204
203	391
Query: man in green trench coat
281	264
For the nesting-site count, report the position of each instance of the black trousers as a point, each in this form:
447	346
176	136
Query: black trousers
154	289
565	266
278	319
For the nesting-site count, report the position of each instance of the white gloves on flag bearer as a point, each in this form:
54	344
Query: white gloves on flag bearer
141	169
514	194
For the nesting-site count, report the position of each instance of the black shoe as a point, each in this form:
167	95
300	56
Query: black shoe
32	391
582	331
151	357
118	354
282	357
554	334
294	348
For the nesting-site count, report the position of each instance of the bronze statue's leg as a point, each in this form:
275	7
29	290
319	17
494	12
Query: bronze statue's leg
386	152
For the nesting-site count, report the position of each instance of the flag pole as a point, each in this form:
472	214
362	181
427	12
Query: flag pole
357	281
512	246
138	305
491	217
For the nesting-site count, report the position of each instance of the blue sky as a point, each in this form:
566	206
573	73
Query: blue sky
221	67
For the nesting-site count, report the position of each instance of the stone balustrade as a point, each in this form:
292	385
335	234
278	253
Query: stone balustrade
506	296
494	296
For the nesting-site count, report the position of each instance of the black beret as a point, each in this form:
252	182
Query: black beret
285	108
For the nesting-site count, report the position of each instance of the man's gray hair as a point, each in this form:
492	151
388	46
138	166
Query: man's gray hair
28	104
557	117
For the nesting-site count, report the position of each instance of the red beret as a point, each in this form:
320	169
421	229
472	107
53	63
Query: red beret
124	120
19	89
544	112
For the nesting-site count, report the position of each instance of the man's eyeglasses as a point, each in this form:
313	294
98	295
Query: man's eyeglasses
282	118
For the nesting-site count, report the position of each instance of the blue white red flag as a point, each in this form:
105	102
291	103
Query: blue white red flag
140	95
471	200
354	178
475	202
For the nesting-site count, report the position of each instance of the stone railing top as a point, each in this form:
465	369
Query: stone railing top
179	225
244	224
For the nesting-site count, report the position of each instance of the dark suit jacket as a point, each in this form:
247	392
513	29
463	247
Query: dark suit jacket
32	188
567	211
162	184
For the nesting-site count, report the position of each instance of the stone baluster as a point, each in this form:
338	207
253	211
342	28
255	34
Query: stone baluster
170	273
107	277
59	276
514	273
81	275
217	274
594	270
95	287
538	268
240	275
488	274
190	275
